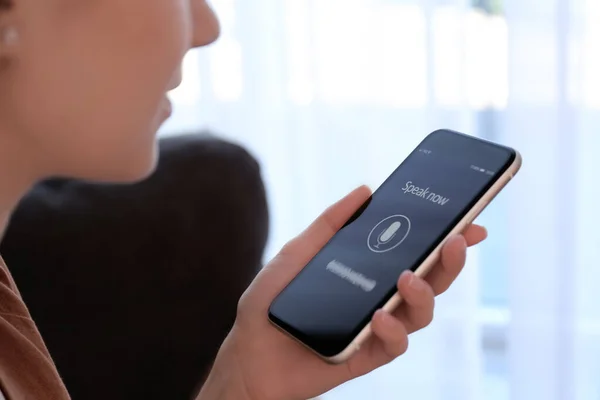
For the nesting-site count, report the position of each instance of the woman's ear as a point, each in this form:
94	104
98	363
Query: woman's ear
9	36
9	41
9	33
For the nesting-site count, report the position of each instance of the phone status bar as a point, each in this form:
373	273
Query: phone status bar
482	170
472	167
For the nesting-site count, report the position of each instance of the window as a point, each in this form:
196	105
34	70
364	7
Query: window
329	94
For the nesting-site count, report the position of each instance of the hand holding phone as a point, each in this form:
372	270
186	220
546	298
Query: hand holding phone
435	193
258	362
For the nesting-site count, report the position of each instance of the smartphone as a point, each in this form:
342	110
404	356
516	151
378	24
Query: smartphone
439	189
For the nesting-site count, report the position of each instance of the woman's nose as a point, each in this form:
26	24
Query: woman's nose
206	27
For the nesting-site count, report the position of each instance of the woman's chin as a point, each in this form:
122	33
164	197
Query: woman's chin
132	170
135	173
135	176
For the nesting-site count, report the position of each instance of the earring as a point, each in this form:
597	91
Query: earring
9	36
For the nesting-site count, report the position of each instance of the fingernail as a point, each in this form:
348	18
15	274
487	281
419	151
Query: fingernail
386	318
405	273
457	237
416	283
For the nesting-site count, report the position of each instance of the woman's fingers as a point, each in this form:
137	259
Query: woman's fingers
418	295
392	336
418	298
475	234
416	310
454	255
453	258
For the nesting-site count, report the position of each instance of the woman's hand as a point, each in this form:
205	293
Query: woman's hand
257	362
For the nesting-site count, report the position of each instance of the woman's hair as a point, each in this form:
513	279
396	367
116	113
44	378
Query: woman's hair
5	4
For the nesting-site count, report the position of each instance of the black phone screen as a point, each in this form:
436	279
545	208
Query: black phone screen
335	296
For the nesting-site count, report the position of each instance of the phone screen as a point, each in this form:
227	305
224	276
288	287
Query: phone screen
335	296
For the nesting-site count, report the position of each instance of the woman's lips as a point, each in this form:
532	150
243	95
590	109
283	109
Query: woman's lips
167	107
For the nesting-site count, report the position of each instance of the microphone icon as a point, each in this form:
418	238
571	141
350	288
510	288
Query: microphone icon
388	234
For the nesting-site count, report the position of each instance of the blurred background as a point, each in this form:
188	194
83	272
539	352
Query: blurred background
331	94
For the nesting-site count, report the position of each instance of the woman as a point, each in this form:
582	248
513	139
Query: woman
73	70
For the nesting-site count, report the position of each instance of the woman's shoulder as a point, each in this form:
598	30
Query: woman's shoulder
10	298
26	368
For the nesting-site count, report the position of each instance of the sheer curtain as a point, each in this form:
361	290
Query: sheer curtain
330	94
